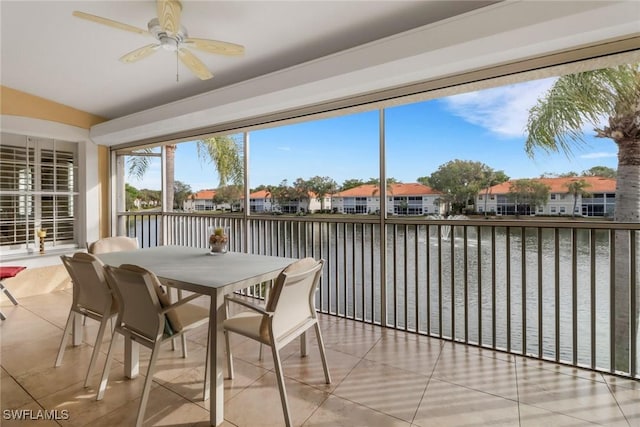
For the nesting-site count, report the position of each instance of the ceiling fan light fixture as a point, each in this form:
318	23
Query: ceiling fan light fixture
169	43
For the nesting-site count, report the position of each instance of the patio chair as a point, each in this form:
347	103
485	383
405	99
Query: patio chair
113	244
7	273
92	298
289	313
147	317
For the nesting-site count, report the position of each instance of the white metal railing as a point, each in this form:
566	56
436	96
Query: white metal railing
545	289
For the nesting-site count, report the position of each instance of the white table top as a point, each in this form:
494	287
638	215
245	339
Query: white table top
197	270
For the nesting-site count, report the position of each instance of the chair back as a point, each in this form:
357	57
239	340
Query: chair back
140	311
113	244
90	288
293	297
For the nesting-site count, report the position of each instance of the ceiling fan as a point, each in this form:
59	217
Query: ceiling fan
171	36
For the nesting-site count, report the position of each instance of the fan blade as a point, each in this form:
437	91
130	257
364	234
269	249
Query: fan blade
141	53
215	46
169	15
194	64
109	22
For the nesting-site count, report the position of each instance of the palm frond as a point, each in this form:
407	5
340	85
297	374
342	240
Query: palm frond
555	123
225	153
139	164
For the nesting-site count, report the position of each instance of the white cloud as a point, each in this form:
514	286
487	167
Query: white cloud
598	155
503	110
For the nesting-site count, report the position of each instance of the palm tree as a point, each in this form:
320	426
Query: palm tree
221	151
577	188
555	124
556	121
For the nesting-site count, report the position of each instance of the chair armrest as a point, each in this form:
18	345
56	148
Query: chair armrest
249	305
179	303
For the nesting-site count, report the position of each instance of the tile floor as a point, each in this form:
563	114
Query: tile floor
380	378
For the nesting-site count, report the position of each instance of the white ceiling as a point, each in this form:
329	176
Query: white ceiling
49	53
299	53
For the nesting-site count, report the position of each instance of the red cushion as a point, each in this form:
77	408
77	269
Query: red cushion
7	272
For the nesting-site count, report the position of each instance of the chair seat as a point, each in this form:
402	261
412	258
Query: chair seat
192	315
10	271
247	324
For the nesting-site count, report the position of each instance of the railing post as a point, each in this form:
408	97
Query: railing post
383	222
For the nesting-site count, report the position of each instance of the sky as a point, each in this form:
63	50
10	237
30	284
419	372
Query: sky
486	126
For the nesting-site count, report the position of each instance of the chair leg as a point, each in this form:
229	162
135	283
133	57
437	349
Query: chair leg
147	383
65	335
8	294
323	355
96	350
281	388
229	355
183	338
303	344
105	372
2	316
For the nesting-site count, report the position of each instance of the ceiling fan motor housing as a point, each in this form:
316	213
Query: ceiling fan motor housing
170	42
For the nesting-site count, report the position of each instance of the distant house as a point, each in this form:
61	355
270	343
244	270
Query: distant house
402	199
261	201
600	202
203	201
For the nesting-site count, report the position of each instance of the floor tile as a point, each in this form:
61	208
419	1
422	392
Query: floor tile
390	390
259	404
337	412
574	396
445	404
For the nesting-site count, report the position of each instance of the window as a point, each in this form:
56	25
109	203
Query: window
38	180
553	209
553	196
562	209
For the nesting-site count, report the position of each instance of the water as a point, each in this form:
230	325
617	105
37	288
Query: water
421	283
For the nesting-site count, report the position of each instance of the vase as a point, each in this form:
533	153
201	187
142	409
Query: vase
218	239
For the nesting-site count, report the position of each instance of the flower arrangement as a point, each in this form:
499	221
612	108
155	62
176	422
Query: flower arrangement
218	240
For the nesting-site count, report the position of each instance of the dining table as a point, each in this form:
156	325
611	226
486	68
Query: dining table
207	273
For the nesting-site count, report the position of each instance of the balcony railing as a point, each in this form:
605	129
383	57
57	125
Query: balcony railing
564	291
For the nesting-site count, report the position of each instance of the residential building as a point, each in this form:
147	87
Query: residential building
261	201
402	199
200	201
599	198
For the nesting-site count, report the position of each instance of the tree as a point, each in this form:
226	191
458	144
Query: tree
131	194
602	171
528	194
181	192
555	124
424	180
351	183
577	188
231	194
321	186
491	177
459	181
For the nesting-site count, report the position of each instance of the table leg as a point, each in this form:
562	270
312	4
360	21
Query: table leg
131	358
216	359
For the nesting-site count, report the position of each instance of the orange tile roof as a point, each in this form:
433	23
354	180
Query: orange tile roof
262	194
369	190
559	185
203	195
